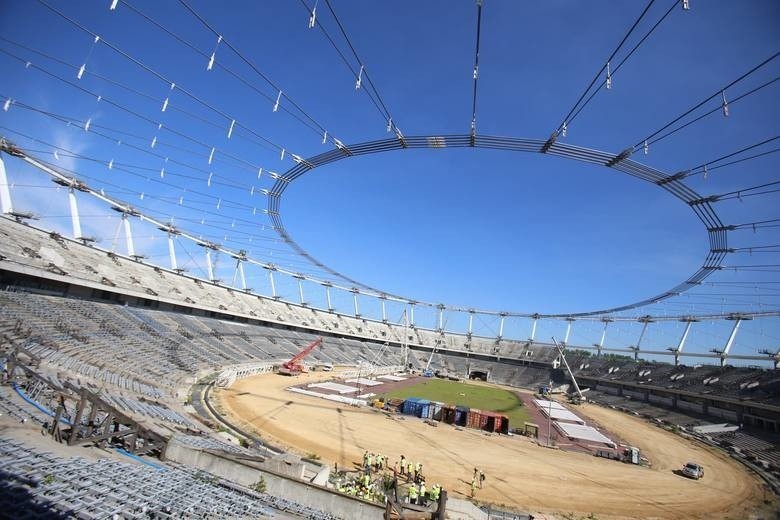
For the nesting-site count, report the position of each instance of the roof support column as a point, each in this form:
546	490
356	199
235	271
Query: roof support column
209	264
5	193
681	344
568	331
533	329
74	214
600	344
128	235
730	342
646	320
273	285
172	253
355	293
240	267
300	289
327	286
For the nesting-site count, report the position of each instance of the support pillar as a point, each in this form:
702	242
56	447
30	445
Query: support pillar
5	192
128	235
172	253
681	344
603	337
568	330
74	214
646	321
533	330
355	293
240	267
382	300
209	264
327	296
411	314
273	285
300	289
501	326
737	322
441	316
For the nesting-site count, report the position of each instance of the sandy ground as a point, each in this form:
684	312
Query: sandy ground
519	472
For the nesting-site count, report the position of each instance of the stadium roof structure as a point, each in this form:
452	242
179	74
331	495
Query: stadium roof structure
183	135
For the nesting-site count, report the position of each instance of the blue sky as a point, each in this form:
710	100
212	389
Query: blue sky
474	228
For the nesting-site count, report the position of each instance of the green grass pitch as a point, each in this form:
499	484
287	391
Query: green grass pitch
464	394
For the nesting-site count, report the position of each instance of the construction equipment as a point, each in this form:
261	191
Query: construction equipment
293	367
579	398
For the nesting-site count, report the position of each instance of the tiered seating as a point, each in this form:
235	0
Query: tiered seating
209	443
11	405
153	353
740	382
749	444
147	409
37	484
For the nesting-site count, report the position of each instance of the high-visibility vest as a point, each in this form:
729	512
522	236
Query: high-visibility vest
413	492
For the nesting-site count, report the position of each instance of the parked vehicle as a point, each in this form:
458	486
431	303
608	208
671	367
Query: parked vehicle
693	470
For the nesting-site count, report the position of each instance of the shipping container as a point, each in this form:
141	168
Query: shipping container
410	406
395	405
476	419
435	410
448	414
496	422
423	409
461	415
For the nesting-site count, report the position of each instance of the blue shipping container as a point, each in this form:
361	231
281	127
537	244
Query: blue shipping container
461	415
410	406
423	407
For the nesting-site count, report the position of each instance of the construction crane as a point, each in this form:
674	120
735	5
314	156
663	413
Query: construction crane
579	397
294	367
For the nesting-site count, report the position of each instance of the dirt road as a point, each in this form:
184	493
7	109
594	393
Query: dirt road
519	473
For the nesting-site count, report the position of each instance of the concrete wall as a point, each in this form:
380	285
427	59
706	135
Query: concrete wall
302	492
693	407
660	400
634	394
723	414
607	389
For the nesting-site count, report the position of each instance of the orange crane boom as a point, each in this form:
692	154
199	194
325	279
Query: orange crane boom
293	367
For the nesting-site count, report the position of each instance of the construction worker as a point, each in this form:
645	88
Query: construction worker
403	465
409	469
436	492
481	478
423	496
395	469
413	494
417	471
473	486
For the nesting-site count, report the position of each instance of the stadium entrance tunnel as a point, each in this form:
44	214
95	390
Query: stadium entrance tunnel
478	375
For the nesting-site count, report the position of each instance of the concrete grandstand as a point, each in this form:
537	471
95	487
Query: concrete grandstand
171	350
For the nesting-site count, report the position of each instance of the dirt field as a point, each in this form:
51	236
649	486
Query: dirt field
519	473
